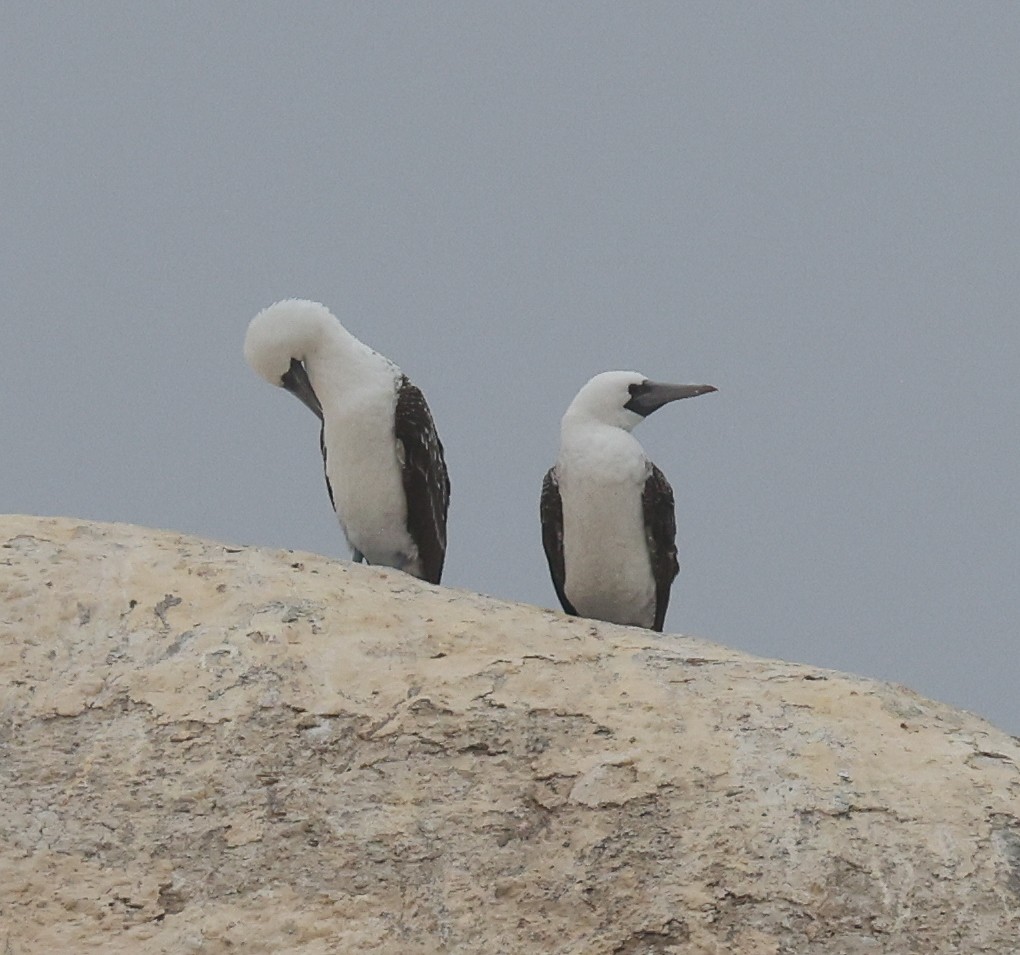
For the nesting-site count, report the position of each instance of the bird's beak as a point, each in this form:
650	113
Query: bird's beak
297	383
650	396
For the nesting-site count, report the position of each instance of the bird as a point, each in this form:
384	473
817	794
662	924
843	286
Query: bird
608	522
385	470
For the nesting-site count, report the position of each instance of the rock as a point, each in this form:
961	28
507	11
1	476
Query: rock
212	749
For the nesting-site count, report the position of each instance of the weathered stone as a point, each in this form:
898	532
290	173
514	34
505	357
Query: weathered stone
210	749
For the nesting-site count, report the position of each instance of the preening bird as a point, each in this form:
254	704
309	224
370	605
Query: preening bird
385	471
608	524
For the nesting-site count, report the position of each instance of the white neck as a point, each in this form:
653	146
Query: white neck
342	366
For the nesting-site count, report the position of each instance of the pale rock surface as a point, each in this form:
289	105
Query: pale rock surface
211	749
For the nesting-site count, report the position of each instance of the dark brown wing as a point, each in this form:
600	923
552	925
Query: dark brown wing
325	464
426	482
551	510
660	532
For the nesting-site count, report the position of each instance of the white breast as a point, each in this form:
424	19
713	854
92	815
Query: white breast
608	574
366	479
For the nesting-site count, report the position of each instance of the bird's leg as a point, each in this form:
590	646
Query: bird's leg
357	556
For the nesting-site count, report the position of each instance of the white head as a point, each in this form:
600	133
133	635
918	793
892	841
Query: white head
282	338
289	330
622	399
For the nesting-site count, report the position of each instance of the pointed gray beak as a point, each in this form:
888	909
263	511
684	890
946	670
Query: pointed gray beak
650	396
297	383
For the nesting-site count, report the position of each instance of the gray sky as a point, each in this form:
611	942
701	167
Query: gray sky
813	206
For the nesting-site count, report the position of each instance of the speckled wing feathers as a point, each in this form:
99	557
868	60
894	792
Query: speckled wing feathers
660	532
426	482
551	510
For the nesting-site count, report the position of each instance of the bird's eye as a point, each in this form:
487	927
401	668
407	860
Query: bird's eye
637	388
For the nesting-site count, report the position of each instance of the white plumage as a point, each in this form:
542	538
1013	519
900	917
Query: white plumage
607	511
383	460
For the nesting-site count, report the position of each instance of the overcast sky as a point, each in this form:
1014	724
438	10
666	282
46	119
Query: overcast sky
813	206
